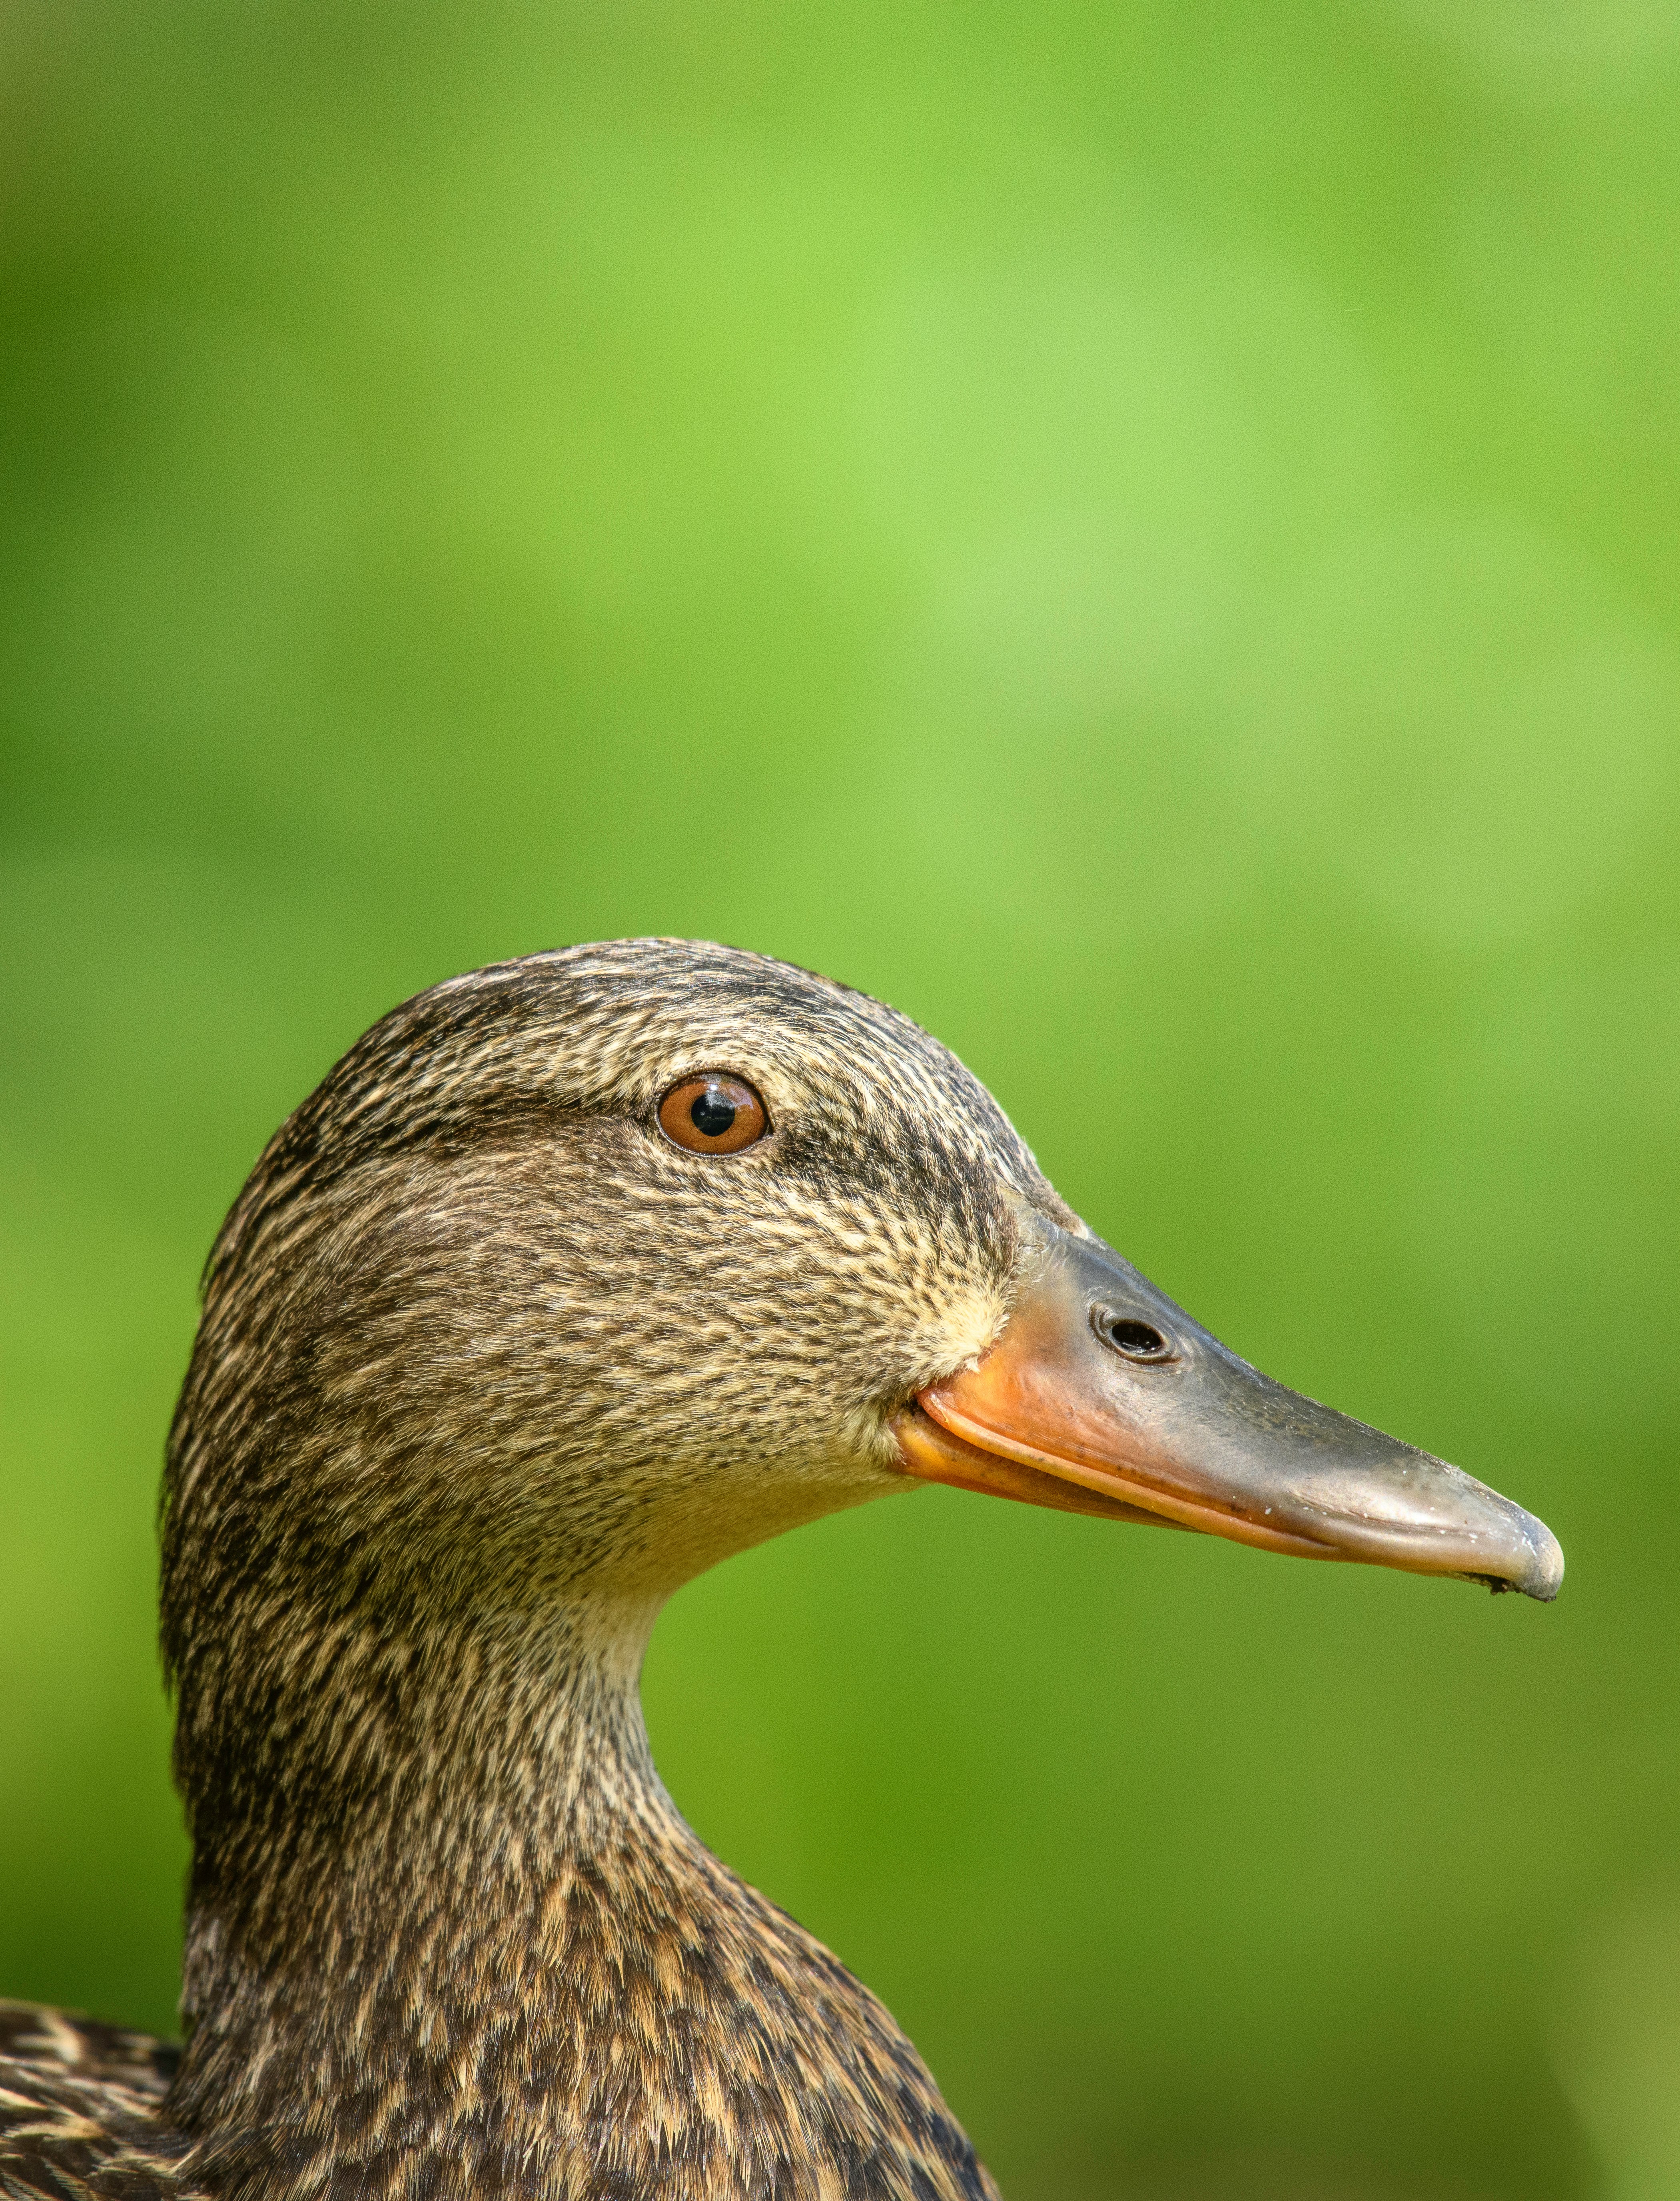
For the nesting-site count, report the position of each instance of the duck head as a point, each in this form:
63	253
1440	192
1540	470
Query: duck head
579	1273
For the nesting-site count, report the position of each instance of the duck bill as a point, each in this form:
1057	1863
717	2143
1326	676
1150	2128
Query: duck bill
1101	1396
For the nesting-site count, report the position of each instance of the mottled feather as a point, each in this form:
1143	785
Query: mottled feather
488	1368
79	2106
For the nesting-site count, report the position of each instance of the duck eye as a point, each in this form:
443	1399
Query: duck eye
1137	1340
713	1115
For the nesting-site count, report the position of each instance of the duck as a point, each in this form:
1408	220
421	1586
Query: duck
576	1275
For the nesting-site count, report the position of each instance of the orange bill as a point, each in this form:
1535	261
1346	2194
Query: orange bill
1101	1396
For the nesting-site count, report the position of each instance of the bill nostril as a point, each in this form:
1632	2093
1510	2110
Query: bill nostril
1137	1340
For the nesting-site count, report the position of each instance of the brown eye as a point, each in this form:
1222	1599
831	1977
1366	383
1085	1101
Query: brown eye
713	1115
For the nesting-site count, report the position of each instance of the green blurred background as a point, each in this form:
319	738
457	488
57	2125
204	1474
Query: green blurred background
1143	534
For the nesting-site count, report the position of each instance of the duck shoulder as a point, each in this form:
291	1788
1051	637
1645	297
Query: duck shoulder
79	2109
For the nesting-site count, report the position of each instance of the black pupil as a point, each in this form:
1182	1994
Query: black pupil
1137	1337
713	1114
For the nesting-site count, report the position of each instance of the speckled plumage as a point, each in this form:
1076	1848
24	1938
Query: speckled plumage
79	2107
486	1370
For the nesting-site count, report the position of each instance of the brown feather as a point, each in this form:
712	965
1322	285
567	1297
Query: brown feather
486	1369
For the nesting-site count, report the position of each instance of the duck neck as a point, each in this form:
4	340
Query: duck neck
447	1937
389	1883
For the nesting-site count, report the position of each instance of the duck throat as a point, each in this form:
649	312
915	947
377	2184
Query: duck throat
449	1936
